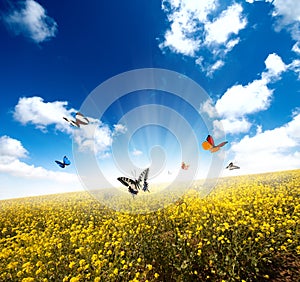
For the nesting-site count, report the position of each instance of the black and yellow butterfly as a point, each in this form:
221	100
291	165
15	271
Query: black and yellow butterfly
134	185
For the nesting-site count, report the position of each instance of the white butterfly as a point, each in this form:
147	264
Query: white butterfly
134	185
80	119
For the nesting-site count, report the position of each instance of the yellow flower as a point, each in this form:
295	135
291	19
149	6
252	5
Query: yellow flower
156	275
74	279
149	266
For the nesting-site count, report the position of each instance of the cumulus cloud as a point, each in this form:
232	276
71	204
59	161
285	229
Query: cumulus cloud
11	153
296	48
269	150
231	125
239	101
295	66
96	136
212	68
120	128
197	26
35	111
11	148
275	67
30	19
229	22
287	15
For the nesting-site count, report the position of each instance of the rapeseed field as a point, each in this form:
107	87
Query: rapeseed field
247	229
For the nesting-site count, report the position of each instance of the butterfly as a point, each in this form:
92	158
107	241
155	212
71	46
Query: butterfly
80	119
135	185
65	162
184	166
209	144
231	166
144	175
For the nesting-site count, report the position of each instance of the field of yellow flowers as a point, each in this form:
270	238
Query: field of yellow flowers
247	229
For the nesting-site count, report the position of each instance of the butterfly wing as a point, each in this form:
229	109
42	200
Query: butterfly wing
222	144
66	161
143	176
234	167
132	191
81	119
229	165
214	149
206	145
145	186
184	166
62	165
129	183
210	140
72	122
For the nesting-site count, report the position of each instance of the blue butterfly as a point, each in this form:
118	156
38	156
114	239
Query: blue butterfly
65	162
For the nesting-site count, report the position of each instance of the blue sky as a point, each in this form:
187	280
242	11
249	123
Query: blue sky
245	54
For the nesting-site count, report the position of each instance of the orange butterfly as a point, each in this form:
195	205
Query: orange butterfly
184	166
209	144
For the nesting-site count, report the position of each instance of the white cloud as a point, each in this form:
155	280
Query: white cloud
288	9
208	108
136	152
287	13
195	27
217	65
241	100
231	125
31	20
11	148
12	151
120	128
96	137
178	42
42	114
184	17
295	66
270	150
229	22
231	43
296	48
275	66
